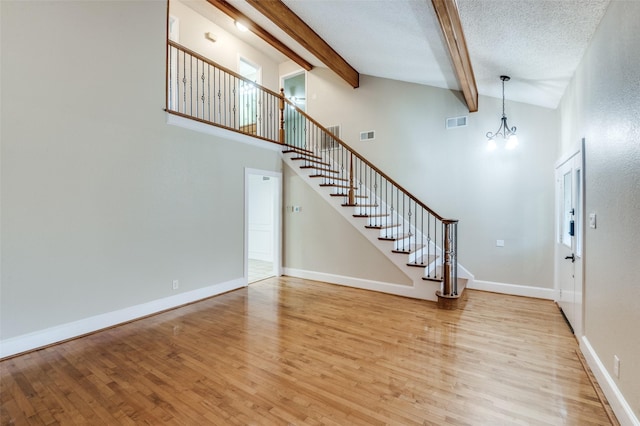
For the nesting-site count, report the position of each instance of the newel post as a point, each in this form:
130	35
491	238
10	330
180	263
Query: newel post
282	116
447	298
351	193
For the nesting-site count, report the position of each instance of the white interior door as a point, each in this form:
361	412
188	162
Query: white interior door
569	231
261	217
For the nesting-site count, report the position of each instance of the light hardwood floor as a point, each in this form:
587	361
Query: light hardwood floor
286	351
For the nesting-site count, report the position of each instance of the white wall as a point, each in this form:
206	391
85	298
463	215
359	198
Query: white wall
506	195
602	105
226	50
103	203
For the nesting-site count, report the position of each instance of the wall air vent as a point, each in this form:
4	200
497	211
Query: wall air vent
326	141
454	122
367	136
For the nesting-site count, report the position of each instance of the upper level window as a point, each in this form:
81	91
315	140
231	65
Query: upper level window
174	28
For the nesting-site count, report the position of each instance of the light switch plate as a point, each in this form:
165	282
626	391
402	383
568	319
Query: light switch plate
592	220
499	243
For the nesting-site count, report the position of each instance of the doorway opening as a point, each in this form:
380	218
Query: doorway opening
295	88
262	224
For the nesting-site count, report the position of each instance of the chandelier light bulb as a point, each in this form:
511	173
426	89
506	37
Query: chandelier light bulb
491	144
512	142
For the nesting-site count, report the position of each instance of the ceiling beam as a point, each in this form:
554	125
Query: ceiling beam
236	15
296	28
449	18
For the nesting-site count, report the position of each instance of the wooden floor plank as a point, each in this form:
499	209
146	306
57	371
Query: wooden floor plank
297	352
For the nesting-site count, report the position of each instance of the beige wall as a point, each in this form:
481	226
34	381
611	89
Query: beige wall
602	105
103	203
500	195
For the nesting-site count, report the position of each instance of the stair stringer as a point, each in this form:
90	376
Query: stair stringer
420	288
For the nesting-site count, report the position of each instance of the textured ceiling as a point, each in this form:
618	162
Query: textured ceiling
539	43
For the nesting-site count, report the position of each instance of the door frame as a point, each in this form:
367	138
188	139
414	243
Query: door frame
277	219
579	270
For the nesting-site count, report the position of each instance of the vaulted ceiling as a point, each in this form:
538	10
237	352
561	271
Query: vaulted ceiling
539	43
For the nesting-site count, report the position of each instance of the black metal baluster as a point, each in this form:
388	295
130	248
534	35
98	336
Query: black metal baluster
422	233
189	94
236	113
184	82
208	92
220	88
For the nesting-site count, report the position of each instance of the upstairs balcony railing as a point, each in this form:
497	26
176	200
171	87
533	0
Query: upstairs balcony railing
200	89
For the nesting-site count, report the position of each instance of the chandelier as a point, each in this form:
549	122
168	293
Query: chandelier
507	133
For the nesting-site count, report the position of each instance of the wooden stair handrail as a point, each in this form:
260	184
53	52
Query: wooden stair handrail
364	160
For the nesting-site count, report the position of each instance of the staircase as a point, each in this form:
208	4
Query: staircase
389	218
416	239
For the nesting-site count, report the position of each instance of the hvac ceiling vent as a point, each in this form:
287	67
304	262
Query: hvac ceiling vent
367	136
454	122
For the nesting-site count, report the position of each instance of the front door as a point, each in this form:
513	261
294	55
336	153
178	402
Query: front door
568	260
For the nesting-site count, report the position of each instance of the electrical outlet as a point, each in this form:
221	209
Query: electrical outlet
176	284
616	366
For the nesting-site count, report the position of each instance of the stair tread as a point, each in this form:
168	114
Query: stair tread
359	205
341	194
330	177
296	150
394	237
462	282
372	215
411	248
334	185
322	169
312	160
382	226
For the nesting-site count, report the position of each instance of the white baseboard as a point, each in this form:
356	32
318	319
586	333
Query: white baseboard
513	289
426	292
59	333
619	405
